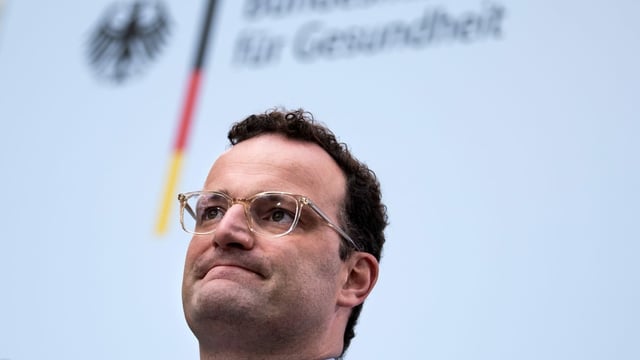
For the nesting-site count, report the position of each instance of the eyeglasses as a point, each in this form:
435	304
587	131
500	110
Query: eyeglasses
269	213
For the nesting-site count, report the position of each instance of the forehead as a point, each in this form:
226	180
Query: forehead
273	162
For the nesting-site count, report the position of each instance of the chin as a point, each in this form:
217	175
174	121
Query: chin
222	299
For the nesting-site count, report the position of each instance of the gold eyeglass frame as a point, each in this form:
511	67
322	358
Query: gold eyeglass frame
301	201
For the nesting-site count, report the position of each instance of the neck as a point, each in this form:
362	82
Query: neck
268	344
266	353
261	356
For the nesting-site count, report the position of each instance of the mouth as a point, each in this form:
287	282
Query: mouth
230	271
211	264
222	267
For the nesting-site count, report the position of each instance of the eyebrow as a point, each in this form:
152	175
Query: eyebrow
251	193
222	190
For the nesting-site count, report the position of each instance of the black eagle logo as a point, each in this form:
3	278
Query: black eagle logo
127	38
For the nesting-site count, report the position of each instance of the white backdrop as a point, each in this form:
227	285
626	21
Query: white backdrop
508	156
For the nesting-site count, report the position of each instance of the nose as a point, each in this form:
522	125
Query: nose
233	230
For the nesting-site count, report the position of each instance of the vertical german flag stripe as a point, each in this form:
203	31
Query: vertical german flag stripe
184	126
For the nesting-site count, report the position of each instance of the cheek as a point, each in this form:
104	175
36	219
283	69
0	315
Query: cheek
321	266
318	283
189	277
196	248
326	252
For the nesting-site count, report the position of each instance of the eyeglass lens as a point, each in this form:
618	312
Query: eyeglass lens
271	214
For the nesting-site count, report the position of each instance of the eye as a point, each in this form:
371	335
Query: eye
273	213
212	213
280	215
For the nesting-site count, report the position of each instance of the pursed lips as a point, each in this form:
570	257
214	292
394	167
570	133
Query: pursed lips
222	266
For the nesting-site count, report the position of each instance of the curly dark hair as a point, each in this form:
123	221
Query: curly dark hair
364	216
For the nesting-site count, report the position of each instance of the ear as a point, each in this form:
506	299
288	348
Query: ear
361	275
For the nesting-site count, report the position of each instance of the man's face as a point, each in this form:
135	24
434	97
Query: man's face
290	283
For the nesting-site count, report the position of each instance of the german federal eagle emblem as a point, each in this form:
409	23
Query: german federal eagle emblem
127	38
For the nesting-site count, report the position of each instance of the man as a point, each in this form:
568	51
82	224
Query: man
288	233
